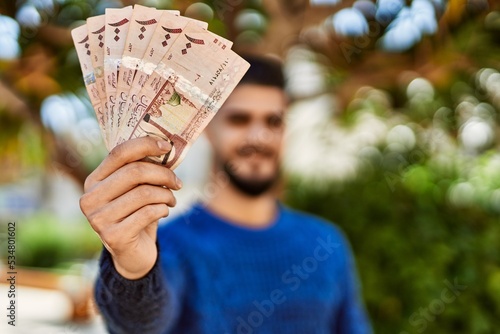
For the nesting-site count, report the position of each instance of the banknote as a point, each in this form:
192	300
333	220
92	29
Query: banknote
160	75
202	71
117	22
96	27
80	38
167	31
152	72
142	26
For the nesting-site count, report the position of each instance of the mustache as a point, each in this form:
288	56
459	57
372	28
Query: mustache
247	150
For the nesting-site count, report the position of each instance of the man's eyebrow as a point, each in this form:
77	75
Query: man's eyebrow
276	113
237	110
241	111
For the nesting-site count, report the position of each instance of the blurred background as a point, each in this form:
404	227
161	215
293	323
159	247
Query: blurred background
393	134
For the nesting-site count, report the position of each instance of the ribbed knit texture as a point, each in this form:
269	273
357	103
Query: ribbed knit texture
297	276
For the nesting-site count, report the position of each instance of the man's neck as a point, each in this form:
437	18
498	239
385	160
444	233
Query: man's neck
243	210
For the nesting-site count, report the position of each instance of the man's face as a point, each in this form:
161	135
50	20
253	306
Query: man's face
246	136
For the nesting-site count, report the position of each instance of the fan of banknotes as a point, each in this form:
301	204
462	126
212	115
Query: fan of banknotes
152	72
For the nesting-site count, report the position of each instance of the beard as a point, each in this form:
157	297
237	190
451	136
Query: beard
252	186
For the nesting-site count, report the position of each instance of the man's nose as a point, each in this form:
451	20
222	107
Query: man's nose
258	133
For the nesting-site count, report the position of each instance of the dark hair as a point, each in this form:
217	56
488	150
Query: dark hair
263	71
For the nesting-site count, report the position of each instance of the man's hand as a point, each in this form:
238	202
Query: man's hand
123	200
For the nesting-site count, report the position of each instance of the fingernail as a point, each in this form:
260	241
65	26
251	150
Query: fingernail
178	182
164	145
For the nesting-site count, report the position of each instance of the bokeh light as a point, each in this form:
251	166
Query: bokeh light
420	87
387	10
476	135
402	33
250	19
29	16
367	7
424	16
200	11
350	22
305	76
401	138
324	2
9	33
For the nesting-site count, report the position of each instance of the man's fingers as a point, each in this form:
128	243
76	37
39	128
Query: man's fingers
132	201
130	176
129	151
145	216
130	227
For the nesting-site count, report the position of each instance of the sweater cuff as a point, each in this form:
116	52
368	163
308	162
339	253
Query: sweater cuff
120	287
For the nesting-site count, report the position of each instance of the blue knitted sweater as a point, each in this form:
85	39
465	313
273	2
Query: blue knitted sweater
213	277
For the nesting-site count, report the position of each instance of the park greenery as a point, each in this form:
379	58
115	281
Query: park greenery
395	110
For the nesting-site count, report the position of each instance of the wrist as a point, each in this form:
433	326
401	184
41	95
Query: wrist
134	271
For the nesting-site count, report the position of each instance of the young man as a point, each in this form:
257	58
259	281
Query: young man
240	262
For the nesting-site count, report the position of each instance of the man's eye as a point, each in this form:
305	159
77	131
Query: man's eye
238	119
275	121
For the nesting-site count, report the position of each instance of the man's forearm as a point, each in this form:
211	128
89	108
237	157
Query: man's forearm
145	305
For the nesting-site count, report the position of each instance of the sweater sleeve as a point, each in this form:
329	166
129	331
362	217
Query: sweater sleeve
352	318
147	305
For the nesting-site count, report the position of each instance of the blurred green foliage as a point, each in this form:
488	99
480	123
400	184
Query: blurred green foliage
422	211
44	241
408	240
